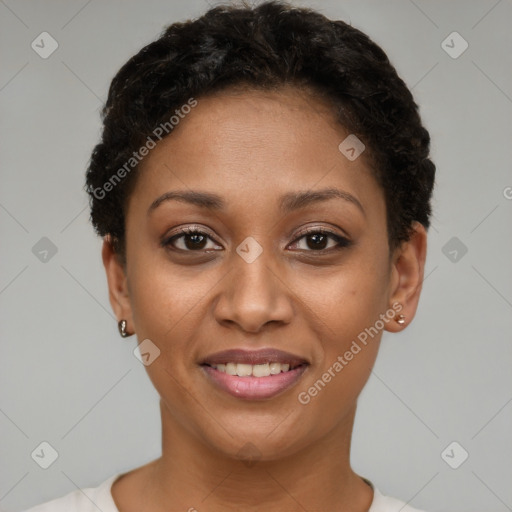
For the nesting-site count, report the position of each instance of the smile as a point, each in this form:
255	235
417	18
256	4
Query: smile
254	375
253	370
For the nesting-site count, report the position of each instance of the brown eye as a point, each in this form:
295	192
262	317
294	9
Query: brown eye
194	241
321	240
317	241
189	240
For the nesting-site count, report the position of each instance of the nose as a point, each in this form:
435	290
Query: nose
253	295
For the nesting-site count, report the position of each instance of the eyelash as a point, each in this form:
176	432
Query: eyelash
341	242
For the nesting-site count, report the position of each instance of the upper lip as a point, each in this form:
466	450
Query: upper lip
261	356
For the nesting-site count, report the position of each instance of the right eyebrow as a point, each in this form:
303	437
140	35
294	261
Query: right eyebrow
201	199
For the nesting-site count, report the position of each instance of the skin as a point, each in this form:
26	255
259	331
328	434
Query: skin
251	147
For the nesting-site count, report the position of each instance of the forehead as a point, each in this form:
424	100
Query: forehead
284	123
253	144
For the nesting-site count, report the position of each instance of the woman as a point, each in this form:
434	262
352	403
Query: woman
263	189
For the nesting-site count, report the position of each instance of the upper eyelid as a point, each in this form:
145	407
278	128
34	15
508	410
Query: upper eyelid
318	229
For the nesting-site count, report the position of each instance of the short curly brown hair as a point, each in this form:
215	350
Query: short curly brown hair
266	46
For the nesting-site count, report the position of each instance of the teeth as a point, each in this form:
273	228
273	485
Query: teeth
275	368
261	370
254	370
244	370
231	369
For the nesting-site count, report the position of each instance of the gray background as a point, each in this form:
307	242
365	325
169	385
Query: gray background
68	378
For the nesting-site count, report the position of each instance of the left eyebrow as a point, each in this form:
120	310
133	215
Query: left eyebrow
295	200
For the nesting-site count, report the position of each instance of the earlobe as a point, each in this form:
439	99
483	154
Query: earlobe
407	273
117	284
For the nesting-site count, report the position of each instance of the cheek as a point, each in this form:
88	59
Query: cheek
344	301
161	294
166	309
169	307
350	342
346	307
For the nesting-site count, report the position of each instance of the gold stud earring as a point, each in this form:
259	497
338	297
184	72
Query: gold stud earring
400	320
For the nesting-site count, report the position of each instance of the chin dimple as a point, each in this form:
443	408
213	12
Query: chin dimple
252	370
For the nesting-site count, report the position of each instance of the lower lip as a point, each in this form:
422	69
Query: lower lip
255	388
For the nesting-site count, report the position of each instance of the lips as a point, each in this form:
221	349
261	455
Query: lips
254	375
254	357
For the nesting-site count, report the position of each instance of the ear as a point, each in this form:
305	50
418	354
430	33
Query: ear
117	284
406	277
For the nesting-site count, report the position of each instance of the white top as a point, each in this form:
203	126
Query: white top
92	499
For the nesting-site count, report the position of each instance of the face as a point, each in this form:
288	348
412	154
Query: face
286	260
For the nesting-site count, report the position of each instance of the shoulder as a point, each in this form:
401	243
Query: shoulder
382	503
89	499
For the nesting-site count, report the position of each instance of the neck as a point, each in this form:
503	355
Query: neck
191	475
